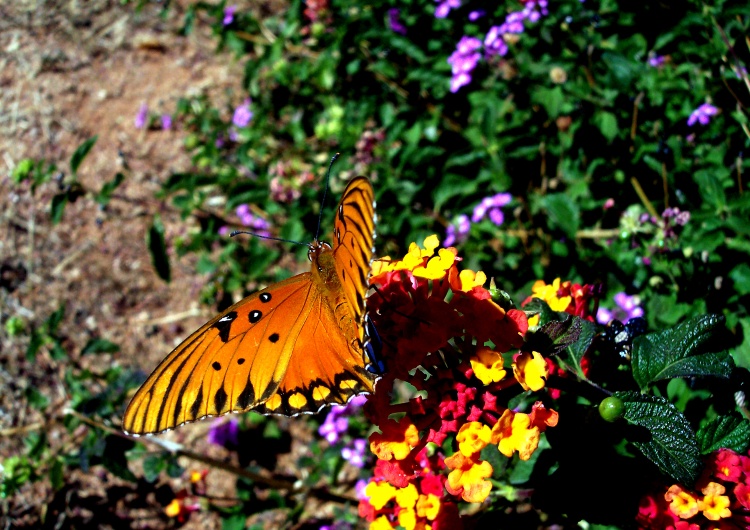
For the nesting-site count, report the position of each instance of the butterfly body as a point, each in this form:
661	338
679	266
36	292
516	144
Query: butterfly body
293	347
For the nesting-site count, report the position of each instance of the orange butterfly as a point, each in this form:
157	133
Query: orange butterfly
293	347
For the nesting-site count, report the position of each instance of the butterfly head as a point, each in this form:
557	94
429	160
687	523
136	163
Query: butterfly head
316	248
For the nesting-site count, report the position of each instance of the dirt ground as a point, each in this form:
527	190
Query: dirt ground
71	69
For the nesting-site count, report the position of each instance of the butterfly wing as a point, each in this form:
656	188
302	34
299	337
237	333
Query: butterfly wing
293	347
353	240
230	364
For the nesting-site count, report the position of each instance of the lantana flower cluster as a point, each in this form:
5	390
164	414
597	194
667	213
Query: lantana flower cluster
444	337
572	298
720	498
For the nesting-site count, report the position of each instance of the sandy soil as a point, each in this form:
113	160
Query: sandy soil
70	70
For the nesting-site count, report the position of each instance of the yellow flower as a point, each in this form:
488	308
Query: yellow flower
428	506
407	497
381	523
487	365
379	493
396	440
470	279
548	293
412	259
436	266
173	508
513	432
682	503
530	369
468	477
473	437
407	518
715	506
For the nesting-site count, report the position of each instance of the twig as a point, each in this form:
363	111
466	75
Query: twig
72	257
179	450
644	199
169	319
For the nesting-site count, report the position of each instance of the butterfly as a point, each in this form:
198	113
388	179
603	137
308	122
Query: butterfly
293	347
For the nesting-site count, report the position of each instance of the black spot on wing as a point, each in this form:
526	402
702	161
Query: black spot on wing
246	397
220	399
255	316
224	325
273	337
265	297
240	361
216	365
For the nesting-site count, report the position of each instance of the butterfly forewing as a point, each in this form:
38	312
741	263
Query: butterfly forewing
353	239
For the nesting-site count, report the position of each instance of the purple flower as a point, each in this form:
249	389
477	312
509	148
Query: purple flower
224	432
247	218
242	114
359	489
627	307
463	61
355	453
457	231
494	44
142	117
395	23
335	424
476	15
702	114
166	122
229	12
490	205
657	61
444	7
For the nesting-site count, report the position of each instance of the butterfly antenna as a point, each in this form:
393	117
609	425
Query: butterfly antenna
236	232
325	192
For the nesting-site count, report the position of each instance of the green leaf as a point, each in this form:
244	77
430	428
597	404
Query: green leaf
105	194
729	432
671	442
80	154
158	249
100	346
562	213
36	399
17	470
56	473
22	170
550	98
153	465
57	207
741	277
586	332
607	123
711	189
679	352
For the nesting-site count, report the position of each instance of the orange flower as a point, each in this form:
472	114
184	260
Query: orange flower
428	506
513	432
715	505
473	437
468	477
396	440
682	503
487	365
